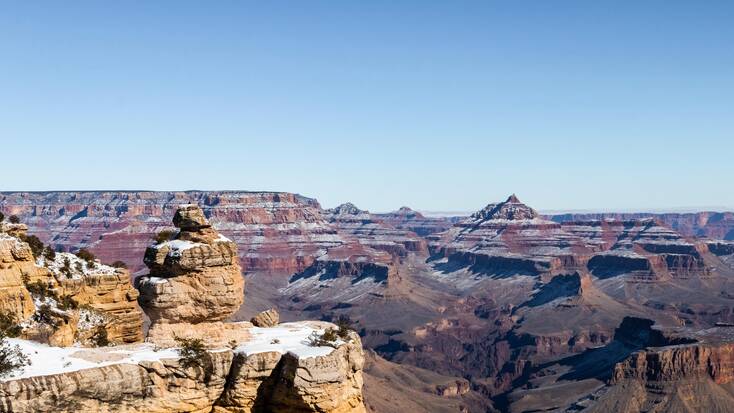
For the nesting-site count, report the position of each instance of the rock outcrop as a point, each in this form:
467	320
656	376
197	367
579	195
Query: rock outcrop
410	220
256	377
16	263
511	238
99	291
195	279
268	318
708	224
374	233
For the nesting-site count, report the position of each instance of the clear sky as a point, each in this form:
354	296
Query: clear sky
439	105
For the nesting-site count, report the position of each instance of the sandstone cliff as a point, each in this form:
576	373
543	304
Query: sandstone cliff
258	376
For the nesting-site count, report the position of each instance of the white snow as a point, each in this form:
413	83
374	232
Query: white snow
291	338
47	360
222	238
78	268
177	244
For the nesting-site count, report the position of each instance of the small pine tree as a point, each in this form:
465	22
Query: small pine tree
44	315
191	351
119	264
326	339
14	219
11	358
86	255
344	327
2	217
49	254
100	337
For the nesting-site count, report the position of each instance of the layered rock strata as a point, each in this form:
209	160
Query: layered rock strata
98	290
373	232
276	232
511	238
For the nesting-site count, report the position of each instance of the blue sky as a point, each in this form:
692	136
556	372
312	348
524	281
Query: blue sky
436	105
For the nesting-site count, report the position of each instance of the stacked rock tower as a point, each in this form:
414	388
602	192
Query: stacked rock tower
194	284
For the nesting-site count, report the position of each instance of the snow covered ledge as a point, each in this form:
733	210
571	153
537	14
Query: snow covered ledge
274	365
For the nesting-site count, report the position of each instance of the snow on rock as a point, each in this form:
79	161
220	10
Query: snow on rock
47	360
76	269
286	338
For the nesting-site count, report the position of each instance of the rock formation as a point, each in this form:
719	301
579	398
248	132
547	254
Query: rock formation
268	318
276	232
194	284
714	225
409	220
374	233
100	292
16	263
257	376
195	278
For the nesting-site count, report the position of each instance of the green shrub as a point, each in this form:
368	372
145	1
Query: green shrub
35	243
9	325
66	267
86	255
119	264
163	236
344	327
14	219
11	358
44	315
192	352
78	266
49	254
2	217
326	339
41	289
100	338
67	302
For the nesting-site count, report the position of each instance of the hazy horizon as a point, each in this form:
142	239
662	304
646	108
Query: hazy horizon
438	106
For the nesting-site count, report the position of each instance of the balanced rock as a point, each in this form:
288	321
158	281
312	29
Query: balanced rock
269	318
195	277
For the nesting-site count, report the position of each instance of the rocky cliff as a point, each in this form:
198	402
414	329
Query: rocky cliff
509	238
94	295
715	225
373	232
192	360
258	376
275	231
410	220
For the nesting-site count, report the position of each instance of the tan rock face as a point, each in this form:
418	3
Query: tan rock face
267	318
194	278
284	383
16	262
113	296
229	382
153	386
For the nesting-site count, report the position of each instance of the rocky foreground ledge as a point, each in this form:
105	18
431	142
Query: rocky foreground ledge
276	369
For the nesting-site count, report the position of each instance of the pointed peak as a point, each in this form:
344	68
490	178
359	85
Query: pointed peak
511	209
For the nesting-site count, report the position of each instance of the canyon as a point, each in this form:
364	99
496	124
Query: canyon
72	334
504	310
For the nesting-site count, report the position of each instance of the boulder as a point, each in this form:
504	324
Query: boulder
267	318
